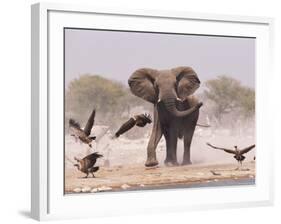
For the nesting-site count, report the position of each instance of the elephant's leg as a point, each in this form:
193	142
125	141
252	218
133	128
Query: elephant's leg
153	142
187	142
168	159
171	148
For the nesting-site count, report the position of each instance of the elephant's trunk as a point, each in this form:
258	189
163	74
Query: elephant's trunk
170	104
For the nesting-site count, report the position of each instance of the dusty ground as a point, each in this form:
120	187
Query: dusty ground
127	158
135	177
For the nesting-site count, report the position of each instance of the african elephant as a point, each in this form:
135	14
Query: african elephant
176	111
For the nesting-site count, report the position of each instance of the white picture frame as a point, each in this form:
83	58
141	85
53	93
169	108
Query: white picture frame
48	200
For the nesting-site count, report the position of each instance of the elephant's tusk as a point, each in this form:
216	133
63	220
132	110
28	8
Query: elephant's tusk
179	99
203	125
159	100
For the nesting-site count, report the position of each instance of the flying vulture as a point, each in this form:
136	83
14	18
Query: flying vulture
139	120
83	135
238	153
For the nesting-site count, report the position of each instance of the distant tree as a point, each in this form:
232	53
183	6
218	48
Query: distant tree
247	102
90	91
110	98
228	95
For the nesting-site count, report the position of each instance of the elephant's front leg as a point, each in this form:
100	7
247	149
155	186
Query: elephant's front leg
171	147
153	141
187	142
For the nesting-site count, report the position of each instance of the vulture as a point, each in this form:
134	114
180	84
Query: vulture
83	135
86	165
238	153
139	120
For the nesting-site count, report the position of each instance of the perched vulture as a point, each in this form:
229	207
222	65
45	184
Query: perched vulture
86	165
138	120
83	135
238	153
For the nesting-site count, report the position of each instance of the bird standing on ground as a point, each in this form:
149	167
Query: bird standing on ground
238	153
86	165
83	135
138	120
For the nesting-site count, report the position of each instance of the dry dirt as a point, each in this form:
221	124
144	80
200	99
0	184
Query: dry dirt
136	177
127	158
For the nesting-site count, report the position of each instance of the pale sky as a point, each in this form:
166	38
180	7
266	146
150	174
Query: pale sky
116	55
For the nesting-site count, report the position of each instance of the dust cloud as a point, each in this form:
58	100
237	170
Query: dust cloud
126	150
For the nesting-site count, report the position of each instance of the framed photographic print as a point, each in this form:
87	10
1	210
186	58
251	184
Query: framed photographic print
148	111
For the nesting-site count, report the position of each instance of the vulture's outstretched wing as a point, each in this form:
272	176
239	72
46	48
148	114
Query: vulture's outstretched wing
90	123
139	120
243	151
226	150
93	169
73	123
93	156
125	127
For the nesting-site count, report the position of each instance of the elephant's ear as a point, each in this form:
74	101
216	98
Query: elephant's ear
188	81
141	84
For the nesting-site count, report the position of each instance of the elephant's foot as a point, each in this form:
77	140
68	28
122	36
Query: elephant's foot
171	163
151	162
186	162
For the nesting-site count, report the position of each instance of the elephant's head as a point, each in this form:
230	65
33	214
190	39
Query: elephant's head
165	86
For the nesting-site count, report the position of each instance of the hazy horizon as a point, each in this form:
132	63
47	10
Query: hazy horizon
117	54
